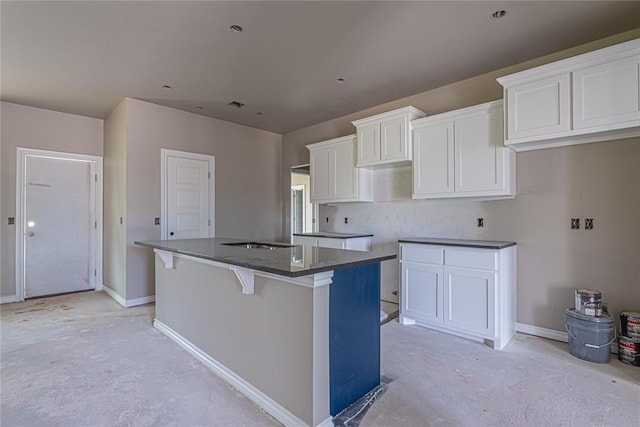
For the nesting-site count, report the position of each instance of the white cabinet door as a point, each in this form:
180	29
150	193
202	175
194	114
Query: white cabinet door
462	154
433	159
320	160
479	154
422	292
386	138
334	175
607	94
538	108
469	300
343	171
368	144
394	144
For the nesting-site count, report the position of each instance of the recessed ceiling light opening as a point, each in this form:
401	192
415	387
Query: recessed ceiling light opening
199	108
259	113
340	80
166	87
498	14
236	29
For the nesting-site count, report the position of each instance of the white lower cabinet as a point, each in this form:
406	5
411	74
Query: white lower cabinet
466	291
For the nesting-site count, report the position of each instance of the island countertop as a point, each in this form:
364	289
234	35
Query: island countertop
285	260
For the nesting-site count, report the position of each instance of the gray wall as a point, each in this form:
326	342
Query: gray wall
247	179
594	180
28	127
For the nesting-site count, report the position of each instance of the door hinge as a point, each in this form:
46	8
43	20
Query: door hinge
209	174
95	273
95	225
209	222
96	177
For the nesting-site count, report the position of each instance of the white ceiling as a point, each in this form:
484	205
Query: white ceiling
85	57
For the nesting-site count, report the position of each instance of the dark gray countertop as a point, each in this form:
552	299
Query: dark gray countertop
483	244
291	261
332	235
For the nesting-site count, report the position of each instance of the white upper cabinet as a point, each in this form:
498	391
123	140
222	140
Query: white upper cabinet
539	108
386	138
587	98
461	154
334	175
607	94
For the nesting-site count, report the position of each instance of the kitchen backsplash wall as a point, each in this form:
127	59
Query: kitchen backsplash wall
599	181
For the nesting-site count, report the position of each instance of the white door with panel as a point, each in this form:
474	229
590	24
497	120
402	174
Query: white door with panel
188	215
59	225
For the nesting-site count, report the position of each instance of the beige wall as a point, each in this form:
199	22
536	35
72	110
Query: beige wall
247	180
594	180
266	338
115	200
28	127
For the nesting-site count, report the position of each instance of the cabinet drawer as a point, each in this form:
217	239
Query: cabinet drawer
421	253
473	258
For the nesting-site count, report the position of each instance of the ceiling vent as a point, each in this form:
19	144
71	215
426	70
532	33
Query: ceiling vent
235	104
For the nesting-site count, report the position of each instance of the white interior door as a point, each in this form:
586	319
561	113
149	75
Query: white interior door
58	225
188	213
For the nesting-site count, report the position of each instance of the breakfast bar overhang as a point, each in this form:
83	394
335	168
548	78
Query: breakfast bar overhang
294	328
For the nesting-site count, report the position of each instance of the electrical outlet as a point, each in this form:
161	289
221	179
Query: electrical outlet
346	220
480	222
575	223
588	223
156	221
11	220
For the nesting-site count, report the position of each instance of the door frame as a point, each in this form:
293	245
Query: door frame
304	206
21	156
165	153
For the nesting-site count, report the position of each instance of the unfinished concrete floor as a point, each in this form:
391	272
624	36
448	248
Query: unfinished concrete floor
81	360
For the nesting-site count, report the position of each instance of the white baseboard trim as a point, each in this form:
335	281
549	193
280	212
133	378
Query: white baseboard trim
10	298
552	334
140	301
326	423
276	410
117	298
126	303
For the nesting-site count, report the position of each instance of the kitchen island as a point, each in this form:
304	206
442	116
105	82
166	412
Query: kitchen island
294	328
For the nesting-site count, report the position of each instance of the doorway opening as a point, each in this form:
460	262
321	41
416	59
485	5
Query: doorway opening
304	214
58	223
